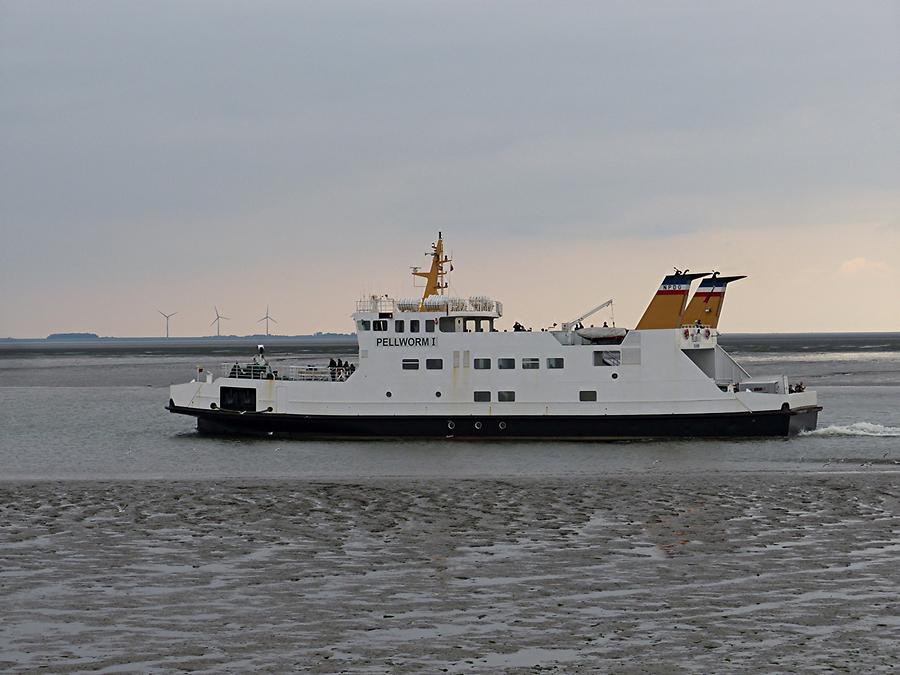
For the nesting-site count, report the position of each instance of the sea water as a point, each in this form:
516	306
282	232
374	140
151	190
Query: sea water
129	542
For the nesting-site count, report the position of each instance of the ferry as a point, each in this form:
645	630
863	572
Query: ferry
441	366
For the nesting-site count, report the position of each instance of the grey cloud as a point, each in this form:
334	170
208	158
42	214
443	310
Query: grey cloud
137	132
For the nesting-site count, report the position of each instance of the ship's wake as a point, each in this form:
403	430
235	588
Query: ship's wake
856	429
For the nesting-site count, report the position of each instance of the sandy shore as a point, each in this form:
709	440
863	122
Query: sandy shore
758	572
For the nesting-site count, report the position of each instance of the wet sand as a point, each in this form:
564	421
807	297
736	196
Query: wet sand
634	573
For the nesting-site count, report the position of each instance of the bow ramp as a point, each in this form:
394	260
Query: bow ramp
706	303
667	306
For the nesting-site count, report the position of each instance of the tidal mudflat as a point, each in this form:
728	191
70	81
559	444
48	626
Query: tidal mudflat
633	573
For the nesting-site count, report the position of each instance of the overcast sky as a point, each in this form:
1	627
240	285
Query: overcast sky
177	155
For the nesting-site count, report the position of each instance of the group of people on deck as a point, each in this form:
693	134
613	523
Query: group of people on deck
340	370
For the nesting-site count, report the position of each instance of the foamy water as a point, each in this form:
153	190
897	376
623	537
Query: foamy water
856	429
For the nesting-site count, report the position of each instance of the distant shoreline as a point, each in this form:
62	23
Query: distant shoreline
344	343
177	344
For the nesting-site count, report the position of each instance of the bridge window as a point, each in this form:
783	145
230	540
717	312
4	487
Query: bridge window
506	396
429	325
450	324
506	364
482	364
413	325
380	325
410	364
364	325
531	364
608	358
398	325
556	362
482	397
587	395
434	364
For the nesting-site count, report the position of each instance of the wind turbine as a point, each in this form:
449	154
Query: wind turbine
217	321
267	318
168	316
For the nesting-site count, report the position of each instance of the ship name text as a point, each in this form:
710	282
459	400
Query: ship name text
406	342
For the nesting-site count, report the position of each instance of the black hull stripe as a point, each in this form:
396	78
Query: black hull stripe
714	425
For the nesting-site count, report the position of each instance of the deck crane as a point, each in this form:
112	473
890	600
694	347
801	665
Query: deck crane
570	325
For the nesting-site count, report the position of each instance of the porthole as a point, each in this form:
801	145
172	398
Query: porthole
388	394
213	405
451	425
478	426
615	376
502	426
437	394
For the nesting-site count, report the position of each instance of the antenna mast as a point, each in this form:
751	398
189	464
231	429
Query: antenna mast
435	277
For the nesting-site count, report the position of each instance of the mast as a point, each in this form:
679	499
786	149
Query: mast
435	278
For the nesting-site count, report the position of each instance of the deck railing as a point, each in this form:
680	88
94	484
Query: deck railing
251	371
435	303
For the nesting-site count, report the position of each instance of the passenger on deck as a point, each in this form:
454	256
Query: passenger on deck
518	328
605	325
331	367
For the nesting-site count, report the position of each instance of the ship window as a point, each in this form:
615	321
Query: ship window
434	364
506	396
410	364
380	325
506	364
482	364
531	364
398	326
413	325
448	324
429	325
237	398
587	395
364	325
482	397
607	358
556	362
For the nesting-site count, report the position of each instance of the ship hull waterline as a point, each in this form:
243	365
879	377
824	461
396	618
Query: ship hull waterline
775	423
